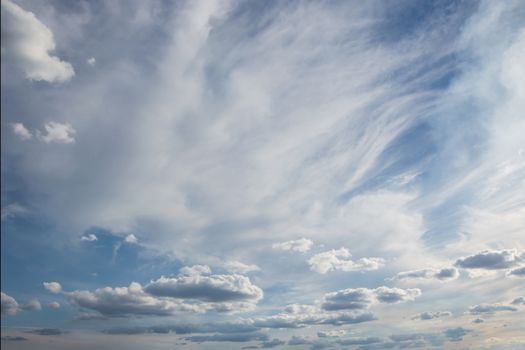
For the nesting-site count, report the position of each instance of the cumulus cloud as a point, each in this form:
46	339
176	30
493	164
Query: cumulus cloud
444	274
27	44
131	238
489	309
425	316
518	301
21	131
33	305
362	298
57	133
239	267
456	334
301	245
213	288
339	259
9	306
490	260
91	61
90	237
195	270
53	287
286	320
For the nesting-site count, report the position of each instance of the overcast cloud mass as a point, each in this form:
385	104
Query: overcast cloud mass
224	174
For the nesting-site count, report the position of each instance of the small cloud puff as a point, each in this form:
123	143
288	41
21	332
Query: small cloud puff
239	267
301	245
8	305
21	131
362	298
489	309
91	61
131	238
444	274
57	133
53	305
490	260
339	259
53	287
90	238
33	305
425	316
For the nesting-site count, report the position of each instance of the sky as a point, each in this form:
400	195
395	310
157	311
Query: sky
262	174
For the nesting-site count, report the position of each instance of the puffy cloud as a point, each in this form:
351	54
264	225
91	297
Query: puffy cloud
331	334
53	305
53	287
478	321
90	237
239	267
123	301
519	272
424	316
195	270
57	132
442	274
91	61
333	260
33	305
301	245
214	288
361	298
489	309
9	306
490	260
518	301
27	43
131	238
316	318
21	131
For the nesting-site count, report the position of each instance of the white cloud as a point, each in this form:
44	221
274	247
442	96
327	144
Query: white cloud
53	305
239	267
9	306
301	245
12	210
443	274
33	305
21	131
53	287
27	43
195	270
90	237
57	132
91	61
362	298
339	259
131	238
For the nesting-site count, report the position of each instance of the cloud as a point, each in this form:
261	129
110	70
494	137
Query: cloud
518	301
13	338
362	298
478	321
359	341
456	334
334	260
489	309
425	316
91	61
225	327
47	331
490	260
314	317
331	334
301	245
519	272
55	305
53	287
195	270
296	340
90	237
444	274
12	210
21	131
272	343
9	306
214	288
57	132
27	43
33	305
239	267
236	338
131	238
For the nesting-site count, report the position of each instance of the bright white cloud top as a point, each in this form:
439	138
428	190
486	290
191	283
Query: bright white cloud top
243	174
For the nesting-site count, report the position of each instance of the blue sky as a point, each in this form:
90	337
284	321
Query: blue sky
248	174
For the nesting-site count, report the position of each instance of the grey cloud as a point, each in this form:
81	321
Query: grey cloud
518	301
9	305
361	298
520	272
33	305
490	260
456	334
272	343
478	320
489	309
47	331
424	316
316	318
13	338
214	288
442	274
237	338
295	340
225	328
359	341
